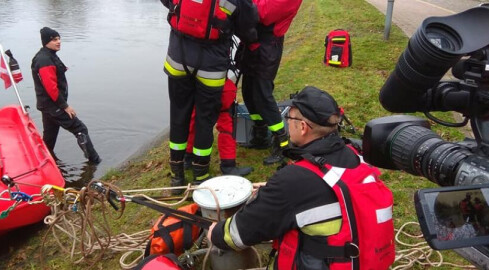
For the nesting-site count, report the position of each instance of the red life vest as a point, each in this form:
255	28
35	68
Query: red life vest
366	237
201	19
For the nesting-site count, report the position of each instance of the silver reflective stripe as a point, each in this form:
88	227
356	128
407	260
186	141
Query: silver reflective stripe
333	175
368	179
317	214
233	230
227	5
177	65
211	74
384	214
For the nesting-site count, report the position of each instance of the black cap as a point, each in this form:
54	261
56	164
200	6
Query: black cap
48	34
316	105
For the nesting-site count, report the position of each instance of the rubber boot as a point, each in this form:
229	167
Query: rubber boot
177	176
86	146
228	167
280	143
259	137
201	173
187	161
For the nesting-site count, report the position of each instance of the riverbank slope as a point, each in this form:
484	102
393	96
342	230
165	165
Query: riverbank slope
355	88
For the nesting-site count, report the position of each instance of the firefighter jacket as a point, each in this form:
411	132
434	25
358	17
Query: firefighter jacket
293	198
50	82
262	59
209	60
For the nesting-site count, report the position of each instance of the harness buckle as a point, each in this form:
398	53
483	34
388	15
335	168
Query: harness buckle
351	250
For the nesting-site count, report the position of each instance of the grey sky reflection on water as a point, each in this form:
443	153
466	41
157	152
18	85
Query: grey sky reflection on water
114	50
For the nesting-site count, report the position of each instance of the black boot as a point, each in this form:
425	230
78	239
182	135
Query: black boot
228	167
201	173
280	143
187	161
177	176
86	146
260	138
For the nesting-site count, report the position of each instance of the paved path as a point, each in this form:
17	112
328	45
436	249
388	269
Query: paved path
408	14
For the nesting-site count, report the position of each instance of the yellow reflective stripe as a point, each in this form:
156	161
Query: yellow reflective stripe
334	62
255	117
173	71
338	39
283	144
227	235
276	127
202	152
227	7
202	177
323	228
226	11
178	146
233	229
212	82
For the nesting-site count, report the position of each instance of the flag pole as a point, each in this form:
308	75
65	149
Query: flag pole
7	66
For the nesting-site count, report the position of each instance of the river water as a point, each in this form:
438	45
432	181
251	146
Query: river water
114	51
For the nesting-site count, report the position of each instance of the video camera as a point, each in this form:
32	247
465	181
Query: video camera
402	142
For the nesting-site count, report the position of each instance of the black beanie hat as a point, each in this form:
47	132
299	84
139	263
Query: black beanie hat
316	105
48	34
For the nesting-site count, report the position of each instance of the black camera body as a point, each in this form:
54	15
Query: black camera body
459	42
406	143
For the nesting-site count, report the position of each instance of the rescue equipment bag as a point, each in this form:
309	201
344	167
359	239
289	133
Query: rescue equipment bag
159	262
203	19
366	236
172	235
338	49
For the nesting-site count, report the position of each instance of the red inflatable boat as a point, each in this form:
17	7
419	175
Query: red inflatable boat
25	159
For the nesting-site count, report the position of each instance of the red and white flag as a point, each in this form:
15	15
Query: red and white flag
4	73
14	69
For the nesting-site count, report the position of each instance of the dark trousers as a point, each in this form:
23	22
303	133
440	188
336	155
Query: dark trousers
258	98
53	120
226	143
185	93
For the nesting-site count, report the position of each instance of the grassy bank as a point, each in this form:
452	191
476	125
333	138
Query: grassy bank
355	88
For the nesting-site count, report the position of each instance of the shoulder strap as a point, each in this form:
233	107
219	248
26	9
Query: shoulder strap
319	166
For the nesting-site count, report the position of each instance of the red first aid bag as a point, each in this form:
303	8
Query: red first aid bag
338	49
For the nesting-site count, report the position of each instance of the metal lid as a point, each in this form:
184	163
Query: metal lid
230	190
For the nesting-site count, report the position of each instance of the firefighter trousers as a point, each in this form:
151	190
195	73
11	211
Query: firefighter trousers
259	100
226	143
185	93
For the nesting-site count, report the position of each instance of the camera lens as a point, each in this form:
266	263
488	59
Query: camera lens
431	51
419	151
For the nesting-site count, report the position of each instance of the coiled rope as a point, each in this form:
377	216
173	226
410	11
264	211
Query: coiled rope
81	218
419	253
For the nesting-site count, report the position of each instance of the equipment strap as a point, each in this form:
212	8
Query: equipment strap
184	216
321	251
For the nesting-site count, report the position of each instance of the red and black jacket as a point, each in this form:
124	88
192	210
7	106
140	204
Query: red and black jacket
289	192
262	59
50	82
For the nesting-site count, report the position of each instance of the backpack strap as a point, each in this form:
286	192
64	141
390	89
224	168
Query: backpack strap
332	177
331	253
